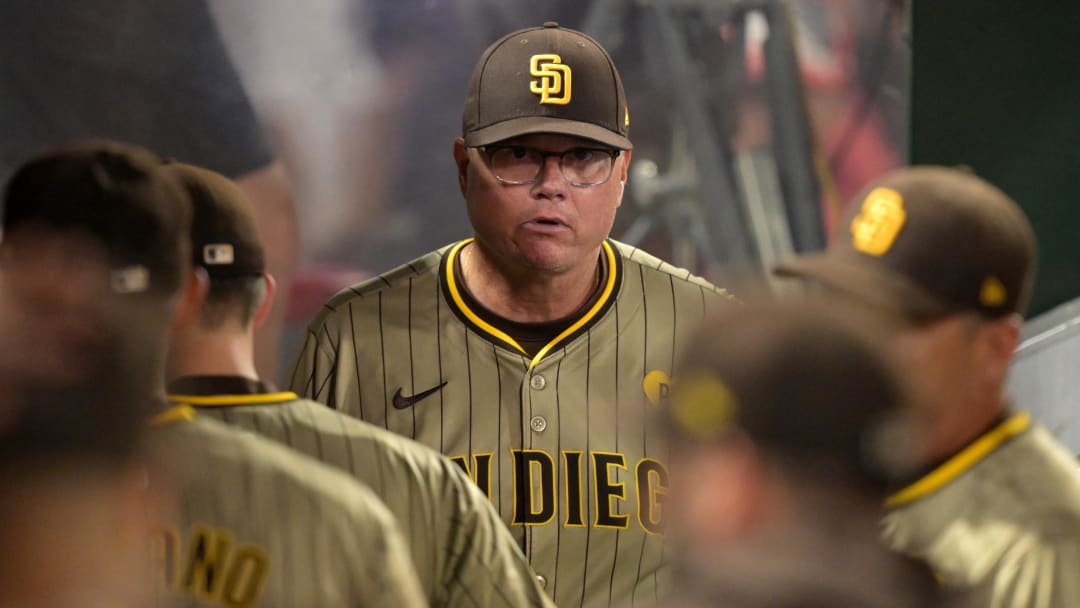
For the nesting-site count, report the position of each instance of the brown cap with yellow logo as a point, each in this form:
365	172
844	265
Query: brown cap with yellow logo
546	79
928	242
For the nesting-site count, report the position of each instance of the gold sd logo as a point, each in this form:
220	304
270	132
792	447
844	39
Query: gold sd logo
882	216
552	82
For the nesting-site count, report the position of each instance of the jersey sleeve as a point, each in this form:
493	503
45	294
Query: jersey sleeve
313	372
378	567
485	566
1037	574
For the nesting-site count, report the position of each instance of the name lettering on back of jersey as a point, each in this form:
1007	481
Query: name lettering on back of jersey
607	502
209	565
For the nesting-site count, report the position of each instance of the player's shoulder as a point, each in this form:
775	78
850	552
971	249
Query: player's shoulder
1036	461
1033	478
425	267
275	467
638	260
392	450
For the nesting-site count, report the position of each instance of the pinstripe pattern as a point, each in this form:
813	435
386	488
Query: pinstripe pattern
273	528
463	554
1004	515
587	390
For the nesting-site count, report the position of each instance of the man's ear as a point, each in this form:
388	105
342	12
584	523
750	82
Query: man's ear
268	300
1001	341
624	173
461	158
190	301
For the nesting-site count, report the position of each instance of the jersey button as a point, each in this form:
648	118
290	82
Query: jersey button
538	382
538	424
540	578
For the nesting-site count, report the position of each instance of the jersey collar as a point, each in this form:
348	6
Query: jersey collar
209	391
963	461
452	291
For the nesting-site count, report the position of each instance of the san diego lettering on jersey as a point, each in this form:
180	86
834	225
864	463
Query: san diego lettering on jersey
537	495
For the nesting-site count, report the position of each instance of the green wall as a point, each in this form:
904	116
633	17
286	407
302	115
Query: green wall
996	86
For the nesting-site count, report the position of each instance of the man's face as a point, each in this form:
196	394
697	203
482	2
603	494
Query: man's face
951	365
549	225
939	356
54	304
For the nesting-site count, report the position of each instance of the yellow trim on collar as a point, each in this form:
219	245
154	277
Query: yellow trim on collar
177	413
455	295
226	400
967	458
608	288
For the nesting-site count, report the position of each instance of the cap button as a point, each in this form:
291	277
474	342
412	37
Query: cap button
551	24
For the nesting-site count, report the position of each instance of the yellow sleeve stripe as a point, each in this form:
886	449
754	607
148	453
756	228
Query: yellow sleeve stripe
963	461
178	413
227	400
608	288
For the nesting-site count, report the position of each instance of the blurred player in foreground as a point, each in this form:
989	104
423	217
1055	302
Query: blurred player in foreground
72	497
949	259
463	553
788	425
256	523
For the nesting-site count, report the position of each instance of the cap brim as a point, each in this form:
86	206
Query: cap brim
866	282
528	125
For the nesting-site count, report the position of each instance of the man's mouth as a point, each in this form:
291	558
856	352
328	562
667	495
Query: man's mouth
550	222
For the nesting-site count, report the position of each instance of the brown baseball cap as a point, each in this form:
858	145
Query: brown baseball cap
116	194
928	242
224	238
805	383
546	79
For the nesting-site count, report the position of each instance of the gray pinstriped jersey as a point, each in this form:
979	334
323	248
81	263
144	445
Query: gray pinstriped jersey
260	525
559	442
1003	514
462	553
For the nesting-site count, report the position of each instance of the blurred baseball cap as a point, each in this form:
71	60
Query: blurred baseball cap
546	79
806	384
927	242
115	194
224	238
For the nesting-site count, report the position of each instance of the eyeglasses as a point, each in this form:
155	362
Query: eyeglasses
580	167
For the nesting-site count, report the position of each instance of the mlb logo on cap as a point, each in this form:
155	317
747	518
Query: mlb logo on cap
131	279
218	254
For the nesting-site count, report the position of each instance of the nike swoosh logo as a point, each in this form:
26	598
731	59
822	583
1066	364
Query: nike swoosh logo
402	402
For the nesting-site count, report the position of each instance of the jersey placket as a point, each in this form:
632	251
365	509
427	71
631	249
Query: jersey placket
539	461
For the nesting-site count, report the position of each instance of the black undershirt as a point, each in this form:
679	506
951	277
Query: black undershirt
531	336
218	385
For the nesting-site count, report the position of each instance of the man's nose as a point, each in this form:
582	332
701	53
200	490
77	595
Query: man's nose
550	182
